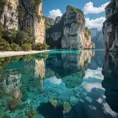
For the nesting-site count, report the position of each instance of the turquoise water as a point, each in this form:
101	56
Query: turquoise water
59	84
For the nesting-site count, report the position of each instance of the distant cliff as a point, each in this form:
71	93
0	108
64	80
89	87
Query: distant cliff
24	15
97	38
69	31
110	26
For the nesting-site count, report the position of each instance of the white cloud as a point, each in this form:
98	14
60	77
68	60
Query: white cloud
54	13
90	9
95	23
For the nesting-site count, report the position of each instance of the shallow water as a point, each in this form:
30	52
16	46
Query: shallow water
59	84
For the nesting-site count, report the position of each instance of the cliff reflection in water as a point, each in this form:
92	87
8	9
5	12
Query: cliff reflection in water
110	82
59	84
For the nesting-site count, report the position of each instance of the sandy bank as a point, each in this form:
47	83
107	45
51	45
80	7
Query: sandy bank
16	53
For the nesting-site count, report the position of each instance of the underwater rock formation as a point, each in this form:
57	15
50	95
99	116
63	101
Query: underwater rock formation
70	31
9	81
110	82
110	26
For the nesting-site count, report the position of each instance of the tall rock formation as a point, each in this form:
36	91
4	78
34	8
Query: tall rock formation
9	14
110	26
70	32
31	17
24	15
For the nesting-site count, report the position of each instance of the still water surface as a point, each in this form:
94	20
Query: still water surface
59	84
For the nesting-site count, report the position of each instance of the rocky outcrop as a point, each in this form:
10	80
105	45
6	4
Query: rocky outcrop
110	26
58	18
69	32
31	17
97	38
9	14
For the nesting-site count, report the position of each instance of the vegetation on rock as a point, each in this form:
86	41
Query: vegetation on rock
15	47
22	37
27	47
41	46
76	10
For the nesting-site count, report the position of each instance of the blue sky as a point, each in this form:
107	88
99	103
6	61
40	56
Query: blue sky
94	9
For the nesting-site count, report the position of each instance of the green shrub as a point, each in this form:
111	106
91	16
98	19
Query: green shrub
29	31
4	45
41	46
9	35
22	37
15	47
27	47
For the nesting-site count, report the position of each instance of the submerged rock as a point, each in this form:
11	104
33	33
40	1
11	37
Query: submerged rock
53	102
32	114
66	108
73	100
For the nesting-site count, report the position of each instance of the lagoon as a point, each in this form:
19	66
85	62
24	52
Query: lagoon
59	84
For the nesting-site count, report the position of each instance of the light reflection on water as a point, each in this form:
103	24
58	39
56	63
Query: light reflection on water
59	84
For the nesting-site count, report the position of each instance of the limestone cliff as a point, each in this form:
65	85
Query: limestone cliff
24	15
31	17
110	26
9	14
70	32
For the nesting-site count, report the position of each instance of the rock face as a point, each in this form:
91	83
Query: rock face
24	15
110	27
49	22
31	17
97	38
9	14
69	32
